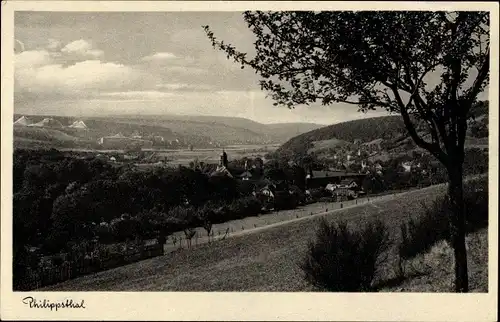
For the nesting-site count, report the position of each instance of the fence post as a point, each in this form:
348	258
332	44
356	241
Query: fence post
341	205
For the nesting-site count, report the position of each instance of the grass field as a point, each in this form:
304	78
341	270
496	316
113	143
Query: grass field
433	271
184	156
267	258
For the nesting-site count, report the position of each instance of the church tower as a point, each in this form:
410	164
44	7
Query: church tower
223	159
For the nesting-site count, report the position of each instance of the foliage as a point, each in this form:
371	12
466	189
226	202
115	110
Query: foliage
381	59
343	260
388	127
418	235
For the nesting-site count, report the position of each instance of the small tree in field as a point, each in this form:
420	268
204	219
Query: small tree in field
206	217
429	67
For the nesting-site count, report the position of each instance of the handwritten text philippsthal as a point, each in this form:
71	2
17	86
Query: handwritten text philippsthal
46	304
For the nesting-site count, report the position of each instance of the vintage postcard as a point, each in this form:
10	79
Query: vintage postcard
185	160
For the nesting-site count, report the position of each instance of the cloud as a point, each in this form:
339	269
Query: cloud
138	95
184	86
187	70
53	44
37	72
160	56
81	47
32	59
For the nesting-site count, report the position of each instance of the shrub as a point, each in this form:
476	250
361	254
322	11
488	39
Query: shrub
342	260
326	199
419	235
244	207
476	204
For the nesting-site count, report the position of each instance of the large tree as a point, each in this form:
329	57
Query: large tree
429	67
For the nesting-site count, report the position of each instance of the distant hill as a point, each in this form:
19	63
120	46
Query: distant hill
365	130
67	132
386	132
48	122
225	130
199	131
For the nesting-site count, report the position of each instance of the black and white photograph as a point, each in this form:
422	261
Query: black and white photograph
311	151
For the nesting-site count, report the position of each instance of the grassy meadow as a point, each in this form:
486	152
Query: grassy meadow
267	259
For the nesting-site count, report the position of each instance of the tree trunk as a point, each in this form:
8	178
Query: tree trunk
458	226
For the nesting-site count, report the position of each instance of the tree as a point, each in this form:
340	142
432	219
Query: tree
207	217
298	177
429	67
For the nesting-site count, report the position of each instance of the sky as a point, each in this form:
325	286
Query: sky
113	63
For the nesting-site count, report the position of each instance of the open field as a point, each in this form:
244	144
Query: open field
184	156
263	260
266	221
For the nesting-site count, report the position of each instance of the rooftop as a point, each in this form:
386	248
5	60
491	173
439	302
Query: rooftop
334	174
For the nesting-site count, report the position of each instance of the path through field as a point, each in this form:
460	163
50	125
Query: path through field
258	259
266	221
263	259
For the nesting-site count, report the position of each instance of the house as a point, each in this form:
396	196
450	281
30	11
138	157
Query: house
378	168
347	188
222	169
266	194
118	141
407	166
343	193
331	187
317	179
349	184
245	175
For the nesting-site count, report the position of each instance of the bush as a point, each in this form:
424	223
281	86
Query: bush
342	260
419	235
244	207
476	204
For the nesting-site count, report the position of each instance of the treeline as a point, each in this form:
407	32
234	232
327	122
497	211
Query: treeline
425	171
366	130
64	200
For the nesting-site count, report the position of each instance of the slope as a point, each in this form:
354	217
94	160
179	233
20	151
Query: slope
386	131
265	260
226	130
385	127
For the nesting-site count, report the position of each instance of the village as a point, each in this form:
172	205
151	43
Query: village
257	151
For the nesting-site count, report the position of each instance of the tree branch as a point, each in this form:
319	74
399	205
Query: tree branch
431	147
478	82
